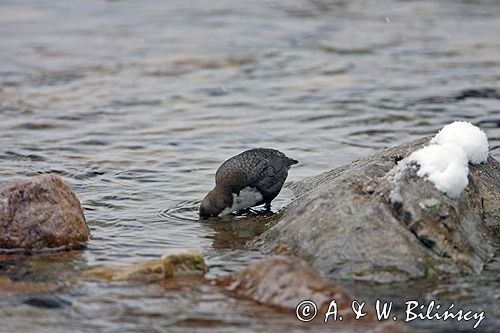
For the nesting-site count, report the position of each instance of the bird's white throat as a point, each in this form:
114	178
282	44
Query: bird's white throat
249	197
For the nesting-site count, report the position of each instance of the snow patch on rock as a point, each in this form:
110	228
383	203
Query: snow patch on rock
445	161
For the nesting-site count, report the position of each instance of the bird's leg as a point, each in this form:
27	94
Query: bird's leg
268	206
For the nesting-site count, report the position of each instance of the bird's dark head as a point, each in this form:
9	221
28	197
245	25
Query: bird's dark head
291	161
214	203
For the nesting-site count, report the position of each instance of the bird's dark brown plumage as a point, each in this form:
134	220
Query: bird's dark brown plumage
262	170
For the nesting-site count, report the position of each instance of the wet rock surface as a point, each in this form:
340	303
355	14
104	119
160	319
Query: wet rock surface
15	280
284	282
277	283
39	213
353	222
172	265
9	287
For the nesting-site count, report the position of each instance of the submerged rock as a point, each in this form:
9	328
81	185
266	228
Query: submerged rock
285	282
41	213
356	222
175	264
9	287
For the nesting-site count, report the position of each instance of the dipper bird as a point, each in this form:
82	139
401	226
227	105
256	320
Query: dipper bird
249	179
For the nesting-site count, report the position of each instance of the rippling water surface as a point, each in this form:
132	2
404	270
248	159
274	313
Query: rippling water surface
136	104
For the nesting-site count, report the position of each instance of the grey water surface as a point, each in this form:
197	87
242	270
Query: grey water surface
136	103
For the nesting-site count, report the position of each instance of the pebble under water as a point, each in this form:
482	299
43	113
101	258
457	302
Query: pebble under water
135	105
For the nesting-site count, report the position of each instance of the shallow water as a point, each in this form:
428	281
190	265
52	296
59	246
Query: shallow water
136	106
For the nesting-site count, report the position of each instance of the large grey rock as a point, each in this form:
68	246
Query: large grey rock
346	225
41	213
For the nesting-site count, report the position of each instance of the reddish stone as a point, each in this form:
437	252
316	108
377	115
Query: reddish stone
41	213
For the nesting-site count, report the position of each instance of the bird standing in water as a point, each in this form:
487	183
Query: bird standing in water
252	178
